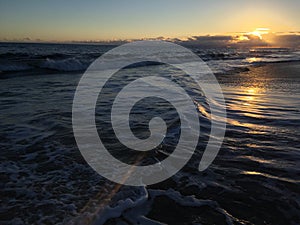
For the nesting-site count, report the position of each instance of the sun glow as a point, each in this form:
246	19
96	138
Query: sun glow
259	32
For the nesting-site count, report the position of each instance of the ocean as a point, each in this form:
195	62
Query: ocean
255	178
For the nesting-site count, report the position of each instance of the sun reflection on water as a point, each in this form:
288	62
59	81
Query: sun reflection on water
247	100
244	104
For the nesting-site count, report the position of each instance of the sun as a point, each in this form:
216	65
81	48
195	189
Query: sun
259	32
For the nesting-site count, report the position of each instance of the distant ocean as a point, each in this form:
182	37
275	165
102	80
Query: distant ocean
255	179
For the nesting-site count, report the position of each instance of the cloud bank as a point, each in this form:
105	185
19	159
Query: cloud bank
247	40
238	40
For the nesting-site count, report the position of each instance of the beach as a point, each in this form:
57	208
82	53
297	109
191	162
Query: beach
255	178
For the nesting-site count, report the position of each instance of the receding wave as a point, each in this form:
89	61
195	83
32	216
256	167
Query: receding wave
220	61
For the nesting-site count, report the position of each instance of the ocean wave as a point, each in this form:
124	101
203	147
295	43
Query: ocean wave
63	65
66	58
71	64
6	66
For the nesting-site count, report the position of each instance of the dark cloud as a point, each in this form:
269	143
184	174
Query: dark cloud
246	40
239	40
288	40
250	40
208	41
217	41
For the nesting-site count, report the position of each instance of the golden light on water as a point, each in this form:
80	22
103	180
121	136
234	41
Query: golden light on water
252	90
252	59
249	104
249	97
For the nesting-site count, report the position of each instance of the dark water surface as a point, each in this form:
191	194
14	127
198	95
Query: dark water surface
254	180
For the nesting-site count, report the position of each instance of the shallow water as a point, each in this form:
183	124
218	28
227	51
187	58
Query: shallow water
254	180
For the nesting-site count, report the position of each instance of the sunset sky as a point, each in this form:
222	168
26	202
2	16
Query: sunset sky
133	19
